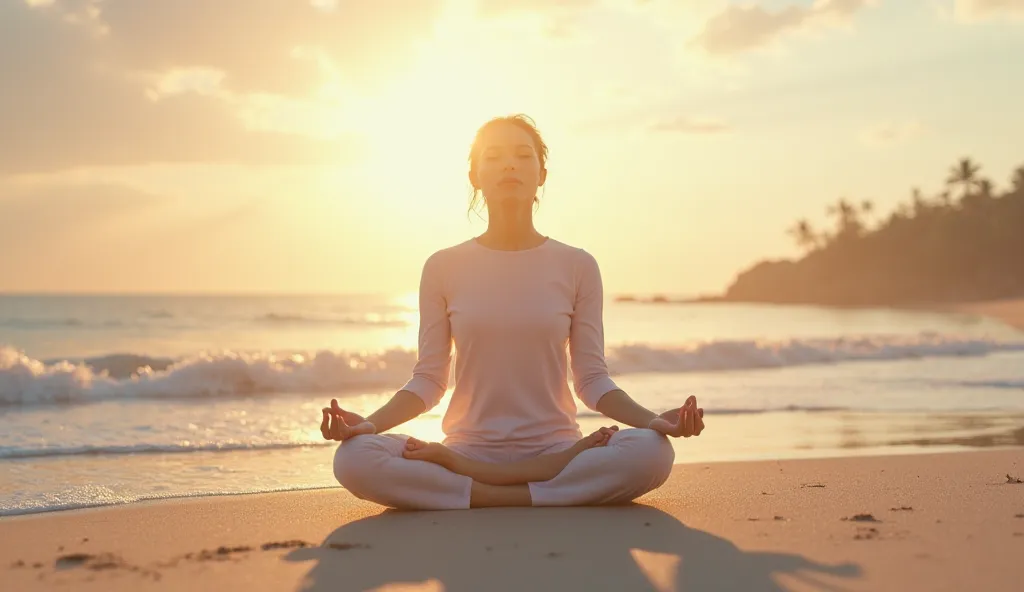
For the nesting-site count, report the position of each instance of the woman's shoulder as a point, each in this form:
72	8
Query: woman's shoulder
579	255
442	257
450	251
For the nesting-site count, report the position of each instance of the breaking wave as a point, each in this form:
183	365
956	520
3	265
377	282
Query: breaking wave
24	380
181	447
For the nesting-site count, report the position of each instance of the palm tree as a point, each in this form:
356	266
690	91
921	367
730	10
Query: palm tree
1017	180
980	198
986	190
867	207
804	235
902	211
965	174
847	219
918	201
842	208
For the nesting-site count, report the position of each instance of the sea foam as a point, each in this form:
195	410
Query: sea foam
24	380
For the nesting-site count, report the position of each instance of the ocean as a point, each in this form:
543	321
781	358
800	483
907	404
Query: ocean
115	399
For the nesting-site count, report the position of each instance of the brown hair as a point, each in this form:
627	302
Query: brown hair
525	123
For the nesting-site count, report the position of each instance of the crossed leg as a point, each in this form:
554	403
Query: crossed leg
631	463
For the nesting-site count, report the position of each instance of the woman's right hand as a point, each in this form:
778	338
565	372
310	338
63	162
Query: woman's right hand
595	440
340	425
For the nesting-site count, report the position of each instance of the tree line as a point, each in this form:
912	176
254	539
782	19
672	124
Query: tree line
965	243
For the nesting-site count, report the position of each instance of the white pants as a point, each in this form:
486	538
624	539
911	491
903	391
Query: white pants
634	462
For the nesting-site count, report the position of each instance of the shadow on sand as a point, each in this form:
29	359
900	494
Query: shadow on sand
632	547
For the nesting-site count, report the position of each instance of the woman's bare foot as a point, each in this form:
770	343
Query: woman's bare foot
539	468
434	452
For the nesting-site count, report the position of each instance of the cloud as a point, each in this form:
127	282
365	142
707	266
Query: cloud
977	10
254	42
80	199
740	28
889	133
691	125
51	217
95	83
552	18
491	8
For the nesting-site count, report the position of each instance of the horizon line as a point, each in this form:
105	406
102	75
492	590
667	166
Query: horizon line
270	293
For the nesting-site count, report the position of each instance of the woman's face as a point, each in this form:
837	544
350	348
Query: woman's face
508	167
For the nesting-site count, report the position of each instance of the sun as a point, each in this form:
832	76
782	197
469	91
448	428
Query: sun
425	117
415	124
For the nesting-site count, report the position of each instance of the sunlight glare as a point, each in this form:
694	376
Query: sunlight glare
408	335
661	569
408	301
420	126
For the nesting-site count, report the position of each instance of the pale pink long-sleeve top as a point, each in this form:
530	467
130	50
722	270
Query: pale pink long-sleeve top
510	316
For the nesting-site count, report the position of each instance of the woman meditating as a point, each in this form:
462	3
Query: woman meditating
507	303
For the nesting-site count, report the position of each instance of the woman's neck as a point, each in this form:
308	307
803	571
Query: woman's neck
511	232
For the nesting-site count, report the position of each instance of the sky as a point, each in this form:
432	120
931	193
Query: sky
282	146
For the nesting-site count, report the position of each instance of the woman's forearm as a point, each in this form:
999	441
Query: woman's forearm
401	408
620	407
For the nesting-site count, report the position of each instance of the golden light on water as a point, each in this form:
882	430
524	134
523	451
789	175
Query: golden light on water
408	335
408	301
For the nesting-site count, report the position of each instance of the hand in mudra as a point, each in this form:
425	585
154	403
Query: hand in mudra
341	425
686	421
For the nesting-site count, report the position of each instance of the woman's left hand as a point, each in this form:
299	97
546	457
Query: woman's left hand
684	422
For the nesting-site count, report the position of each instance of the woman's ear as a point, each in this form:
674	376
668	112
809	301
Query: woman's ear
543	177
472	179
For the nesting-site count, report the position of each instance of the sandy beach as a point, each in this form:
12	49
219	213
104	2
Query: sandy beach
950	521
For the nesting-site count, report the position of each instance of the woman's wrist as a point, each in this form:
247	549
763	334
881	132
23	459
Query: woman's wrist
402	407
620	407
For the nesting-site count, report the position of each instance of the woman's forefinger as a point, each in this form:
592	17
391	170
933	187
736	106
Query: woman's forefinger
337	427
688	420
325	425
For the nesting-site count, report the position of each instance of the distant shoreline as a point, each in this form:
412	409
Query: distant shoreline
663	299
1007	310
